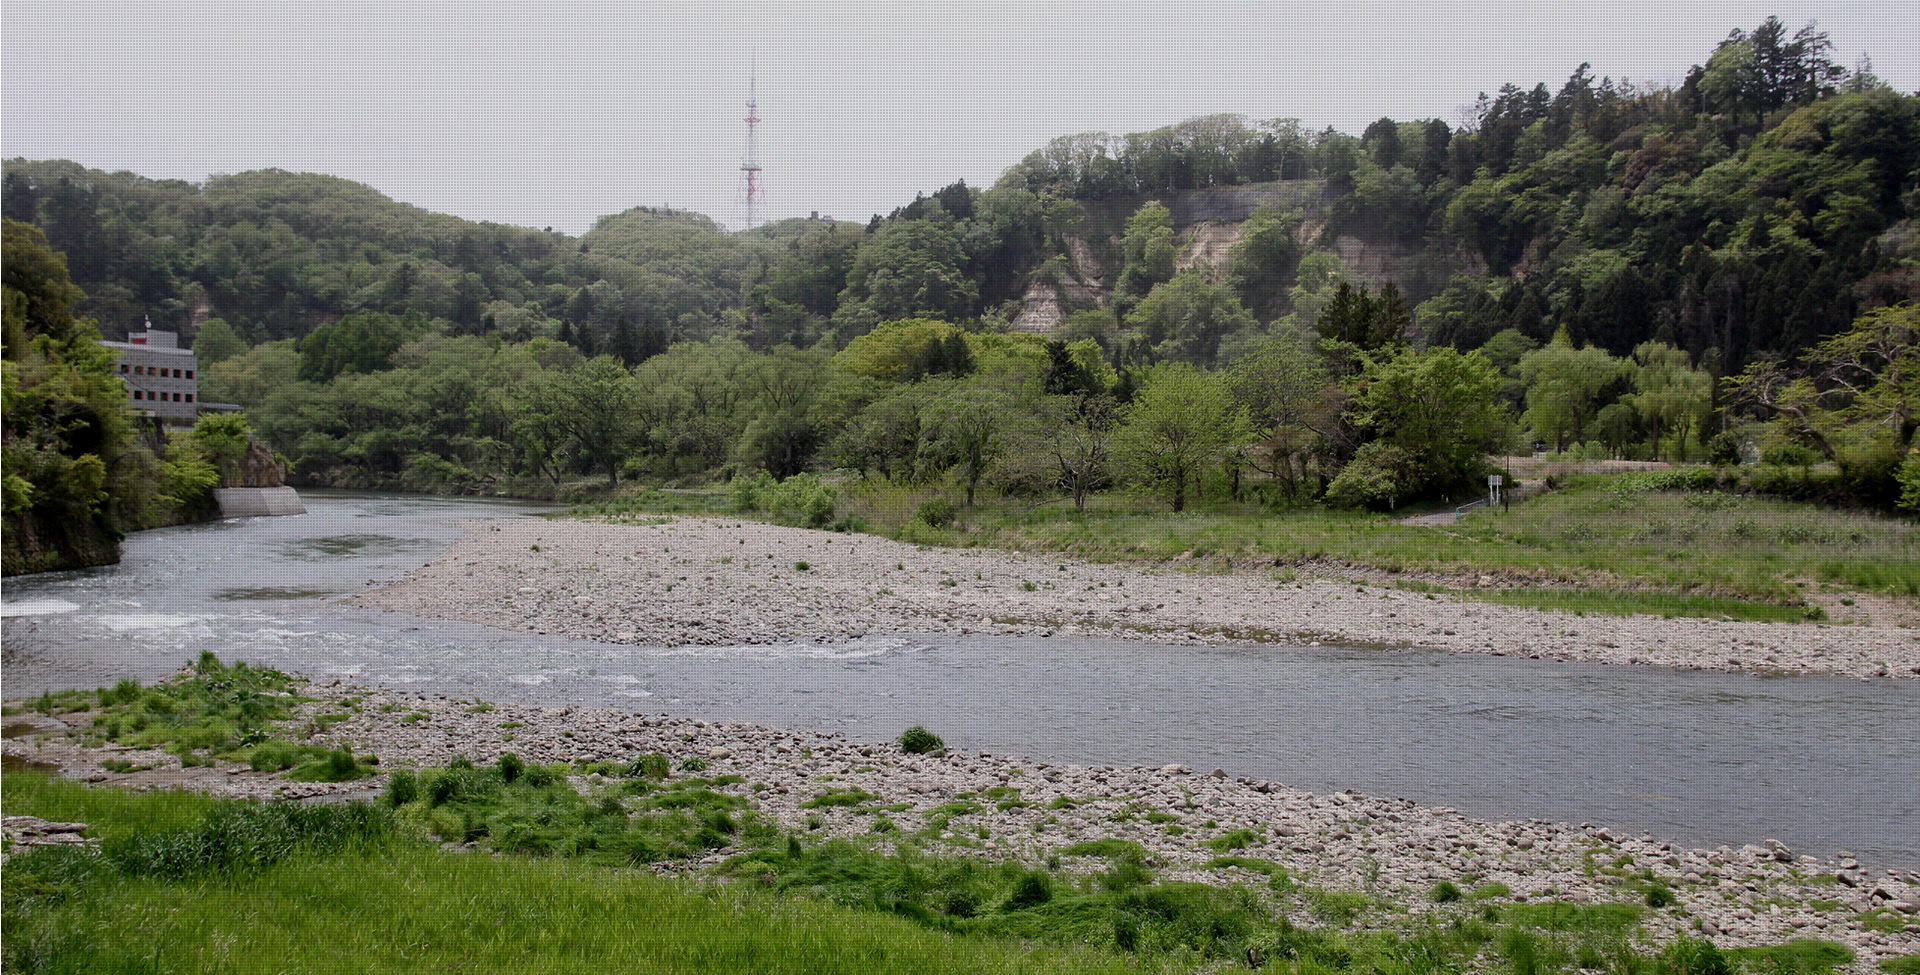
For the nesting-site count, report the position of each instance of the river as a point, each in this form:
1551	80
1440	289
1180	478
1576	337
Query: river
1822	764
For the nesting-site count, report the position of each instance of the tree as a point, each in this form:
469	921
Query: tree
1184	319
590	405
217	342
784	431
907	349
912	268
1261	266
885	434
66	497
1147	254
1364	322
357	343
1438	409
37	274
1284	387
1671	395
966	428
1177	425
1070	441
1564	386
1860	387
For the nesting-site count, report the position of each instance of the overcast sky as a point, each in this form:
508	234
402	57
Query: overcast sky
555	113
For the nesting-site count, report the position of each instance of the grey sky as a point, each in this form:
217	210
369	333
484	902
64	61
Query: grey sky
559	112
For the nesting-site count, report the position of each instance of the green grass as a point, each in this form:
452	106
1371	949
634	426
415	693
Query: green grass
396	906
212	711
1645	545
1617	602
649	504
187	883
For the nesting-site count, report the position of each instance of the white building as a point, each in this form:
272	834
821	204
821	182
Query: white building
160	376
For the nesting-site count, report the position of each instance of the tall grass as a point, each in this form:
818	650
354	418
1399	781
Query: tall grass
245	887
1657	547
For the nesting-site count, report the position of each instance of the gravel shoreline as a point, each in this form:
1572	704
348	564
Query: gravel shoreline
1390	849
707	581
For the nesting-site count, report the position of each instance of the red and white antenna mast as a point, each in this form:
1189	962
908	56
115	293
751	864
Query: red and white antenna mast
750	164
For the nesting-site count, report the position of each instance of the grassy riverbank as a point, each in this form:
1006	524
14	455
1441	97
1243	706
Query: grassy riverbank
185	883
188	883
1662	543
688	857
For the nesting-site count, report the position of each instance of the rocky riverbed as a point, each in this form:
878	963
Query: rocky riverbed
708	581
1392	850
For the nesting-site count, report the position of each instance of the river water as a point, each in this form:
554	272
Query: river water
1822	764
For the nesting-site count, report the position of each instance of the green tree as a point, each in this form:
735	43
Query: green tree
1290	400
1438	409
1147	255
217	342
1854	397
357	343
1068	442
911	268
1565	385
1176	426
1670	395
591	405
1185	318
784	430
965	428
66	500
1261	265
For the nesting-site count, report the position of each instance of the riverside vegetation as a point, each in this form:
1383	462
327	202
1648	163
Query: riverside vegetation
1222	308
846	879
1695	541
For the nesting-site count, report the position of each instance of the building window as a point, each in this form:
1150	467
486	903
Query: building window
136	394
123	367
189	397
139	370
189	374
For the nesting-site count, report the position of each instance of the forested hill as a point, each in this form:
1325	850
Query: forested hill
275	253
1747	213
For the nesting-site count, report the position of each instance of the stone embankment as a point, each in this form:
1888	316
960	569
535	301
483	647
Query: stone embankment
708	581
1392	850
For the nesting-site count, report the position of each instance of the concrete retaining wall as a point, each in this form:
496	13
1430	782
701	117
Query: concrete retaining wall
254	502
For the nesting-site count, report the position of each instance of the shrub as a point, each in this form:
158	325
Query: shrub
1446	892
802	498
338	765
918	741
653	766
1238	839
1789	455
935	512
402	788
1032	889
1372	479
1724	449
511	767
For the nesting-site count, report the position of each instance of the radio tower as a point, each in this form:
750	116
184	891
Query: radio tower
750	165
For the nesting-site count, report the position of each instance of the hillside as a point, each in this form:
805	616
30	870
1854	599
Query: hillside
1750	212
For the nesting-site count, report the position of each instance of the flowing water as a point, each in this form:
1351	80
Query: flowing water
1822	764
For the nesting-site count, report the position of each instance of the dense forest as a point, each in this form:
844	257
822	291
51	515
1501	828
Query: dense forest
1226	305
